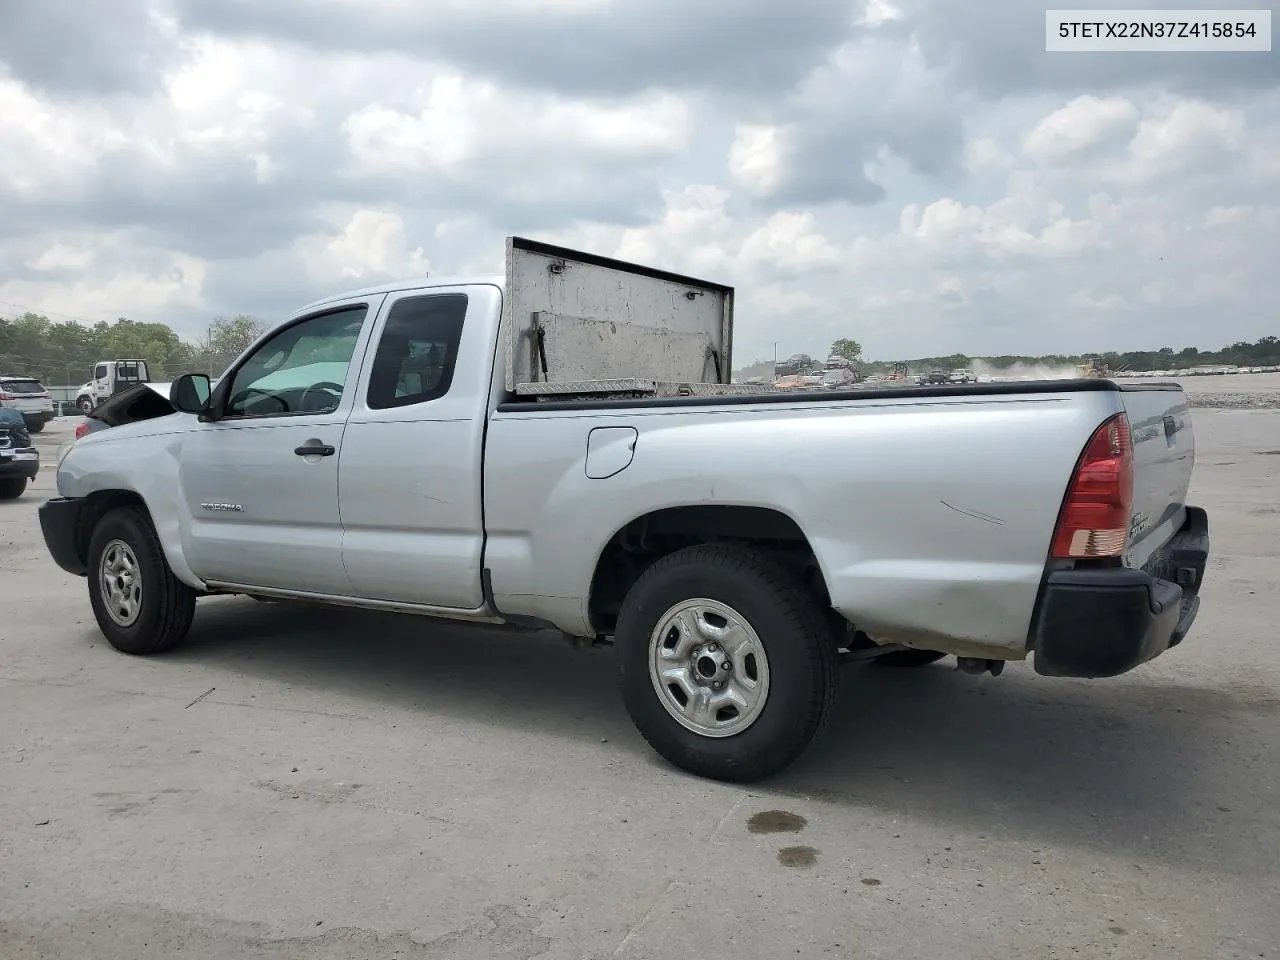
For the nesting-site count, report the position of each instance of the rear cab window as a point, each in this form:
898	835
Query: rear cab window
131	371
417	351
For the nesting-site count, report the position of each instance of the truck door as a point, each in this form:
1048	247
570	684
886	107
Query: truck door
410	471
260	485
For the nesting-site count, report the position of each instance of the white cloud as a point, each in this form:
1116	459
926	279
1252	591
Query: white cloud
371	244
1085	122
756	159
1183	137
462	122
890	190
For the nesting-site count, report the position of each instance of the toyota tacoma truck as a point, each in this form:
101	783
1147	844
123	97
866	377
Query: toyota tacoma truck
561	447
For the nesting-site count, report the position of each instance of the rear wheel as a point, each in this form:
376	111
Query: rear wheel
727	662
140	606
35	426
11	488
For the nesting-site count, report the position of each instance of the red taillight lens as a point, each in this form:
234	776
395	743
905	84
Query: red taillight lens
82	429
1095	515
7	396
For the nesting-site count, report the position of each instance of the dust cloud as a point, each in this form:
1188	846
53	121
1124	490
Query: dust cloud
1025	371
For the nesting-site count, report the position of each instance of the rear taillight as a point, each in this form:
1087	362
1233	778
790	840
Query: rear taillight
1095	516
7	396
82	429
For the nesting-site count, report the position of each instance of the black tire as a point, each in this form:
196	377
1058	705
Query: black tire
908	658
84	405
35	426
793	630
11	488
166	605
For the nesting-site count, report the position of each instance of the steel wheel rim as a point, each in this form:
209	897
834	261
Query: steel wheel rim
709	668
121	581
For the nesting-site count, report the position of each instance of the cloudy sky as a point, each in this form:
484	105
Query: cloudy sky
916	174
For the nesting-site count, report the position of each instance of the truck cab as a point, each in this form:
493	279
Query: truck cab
108	378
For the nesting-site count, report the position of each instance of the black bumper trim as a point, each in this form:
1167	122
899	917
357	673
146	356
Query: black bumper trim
60	524
10	467
1102	622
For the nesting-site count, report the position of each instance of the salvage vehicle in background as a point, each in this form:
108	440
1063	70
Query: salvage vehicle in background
19	459
27	396
560	447
143	401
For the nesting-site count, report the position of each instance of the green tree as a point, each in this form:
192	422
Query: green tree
851	350
224	340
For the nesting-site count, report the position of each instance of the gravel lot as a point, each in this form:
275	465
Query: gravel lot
281	788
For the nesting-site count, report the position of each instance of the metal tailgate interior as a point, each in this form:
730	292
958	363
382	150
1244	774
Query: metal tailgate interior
579	324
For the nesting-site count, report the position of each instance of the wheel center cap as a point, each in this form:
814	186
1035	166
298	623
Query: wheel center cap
711	665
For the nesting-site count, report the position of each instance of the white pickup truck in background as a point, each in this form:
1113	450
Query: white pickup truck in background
560	447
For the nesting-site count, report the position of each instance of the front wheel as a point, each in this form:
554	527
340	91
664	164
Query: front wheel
11	488
140	606
727	662
85	405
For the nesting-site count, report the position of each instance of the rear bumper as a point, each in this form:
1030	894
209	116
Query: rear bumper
1105	622
60	524
11	467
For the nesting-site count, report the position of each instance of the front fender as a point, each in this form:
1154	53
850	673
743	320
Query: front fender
144	465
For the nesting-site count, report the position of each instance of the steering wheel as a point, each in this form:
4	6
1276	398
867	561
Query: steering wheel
329	387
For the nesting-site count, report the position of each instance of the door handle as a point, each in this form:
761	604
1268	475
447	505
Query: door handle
314	448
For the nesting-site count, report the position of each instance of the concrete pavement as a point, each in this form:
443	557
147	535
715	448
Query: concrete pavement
324	784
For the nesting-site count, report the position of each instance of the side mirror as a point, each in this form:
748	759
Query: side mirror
190	393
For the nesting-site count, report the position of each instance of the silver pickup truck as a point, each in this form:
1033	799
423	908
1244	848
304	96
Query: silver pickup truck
560	447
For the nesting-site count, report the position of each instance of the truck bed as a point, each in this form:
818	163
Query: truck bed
930	511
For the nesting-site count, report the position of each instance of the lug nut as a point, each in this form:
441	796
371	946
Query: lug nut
712	648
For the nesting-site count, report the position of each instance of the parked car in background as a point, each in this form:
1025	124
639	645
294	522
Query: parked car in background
19	460
934	378
963	376
28	396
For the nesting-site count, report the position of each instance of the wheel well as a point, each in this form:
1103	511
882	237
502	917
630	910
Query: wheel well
635	547
96	506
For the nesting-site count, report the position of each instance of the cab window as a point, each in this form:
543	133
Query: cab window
300	370
417	351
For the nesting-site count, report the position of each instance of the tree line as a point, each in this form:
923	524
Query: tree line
1261	353
63	353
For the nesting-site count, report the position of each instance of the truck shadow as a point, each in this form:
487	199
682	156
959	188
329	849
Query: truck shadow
1135	765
